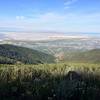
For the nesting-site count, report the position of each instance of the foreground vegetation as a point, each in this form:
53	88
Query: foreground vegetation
62	81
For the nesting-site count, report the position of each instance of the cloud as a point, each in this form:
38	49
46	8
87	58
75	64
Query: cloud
70	22
68	3
20	17
66	7
50	16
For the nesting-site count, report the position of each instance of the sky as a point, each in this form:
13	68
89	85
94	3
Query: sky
50	15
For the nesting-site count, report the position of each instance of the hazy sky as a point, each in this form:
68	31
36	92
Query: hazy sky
50	15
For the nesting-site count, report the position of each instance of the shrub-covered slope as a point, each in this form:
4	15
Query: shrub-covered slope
91	56
14	54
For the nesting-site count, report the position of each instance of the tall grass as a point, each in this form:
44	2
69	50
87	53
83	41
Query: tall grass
62	81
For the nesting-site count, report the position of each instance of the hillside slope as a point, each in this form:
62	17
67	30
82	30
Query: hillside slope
14	54
91	56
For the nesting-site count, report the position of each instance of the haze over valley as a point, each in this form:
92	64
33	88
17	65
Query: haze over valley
60	45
